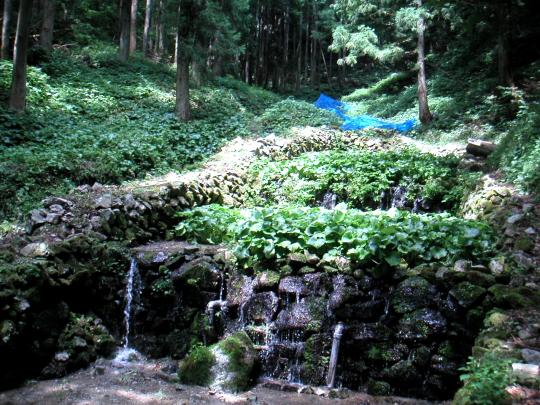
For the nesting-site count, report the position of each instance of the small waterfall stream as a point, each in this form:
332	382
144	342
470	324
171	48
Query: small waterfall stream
133	270
133	290
329	200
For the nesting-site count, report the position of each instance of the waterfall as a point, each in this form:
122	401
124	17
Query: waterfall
338	332
133	272
329	200
133	287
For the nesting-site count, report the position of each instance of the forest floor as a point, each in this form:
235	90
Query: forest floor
152	382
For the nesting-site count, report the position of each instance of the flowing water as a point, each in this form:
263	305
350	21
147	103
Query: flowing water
329	200
133	289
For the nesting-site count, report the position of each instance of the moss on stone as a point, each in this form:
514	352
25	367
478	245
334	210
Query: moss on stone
268	279
411	294
467	294
195	368
496	319
504	296
316	358
241	360
381	388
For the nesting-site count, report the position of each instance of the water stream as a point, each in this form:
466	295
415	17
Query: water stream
329	200
133	289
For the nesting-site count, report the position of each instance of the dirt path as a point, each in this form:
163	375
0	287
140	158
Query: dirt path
153	382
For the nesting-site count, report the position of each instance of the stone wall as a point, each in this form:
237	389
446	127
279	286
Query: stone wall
406	333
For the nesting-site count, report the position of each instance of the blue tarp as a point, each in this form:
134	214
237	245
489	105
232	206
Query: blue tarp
360	121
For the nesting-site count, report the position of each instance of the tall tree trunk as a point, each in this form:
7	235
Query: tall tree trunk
161	30
47	24
315	48
17	99
424	113
183	60
286	39
6	29
183	110
133	27
299	58
503	43
123	51
306	45
147	27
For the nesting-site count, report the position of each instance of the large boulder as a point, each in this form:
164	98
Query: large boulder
227	365
201	273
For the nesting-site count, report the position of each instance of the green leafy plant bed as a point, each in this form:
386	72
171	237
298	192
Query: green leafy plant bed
382	239
363	179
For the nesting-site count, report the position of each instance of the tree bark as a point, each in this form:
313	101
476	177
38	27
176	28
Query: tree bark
133	27
6	29
123	50
423	106
47	24
160	41
183	60
183	110
315	49
299	58
17	99
503	43
147	27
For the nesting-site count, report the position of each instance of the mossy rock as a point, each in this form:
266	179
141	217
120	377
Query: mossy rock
200	273
467	294
421	325
316	358
379	388
387	352
268	279
195	368
496	319
411	294
227	365
83	340
235	361
503	296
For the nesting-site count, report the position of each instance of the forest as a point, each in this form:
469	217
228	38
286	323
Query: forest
270	201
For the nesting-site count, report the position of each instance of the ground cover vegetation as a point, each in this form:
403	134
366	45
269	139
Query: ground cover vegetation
392	238
363	179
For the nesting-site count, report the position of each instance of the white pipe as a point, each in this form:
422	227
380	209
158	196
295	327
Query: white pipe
211	308
338	333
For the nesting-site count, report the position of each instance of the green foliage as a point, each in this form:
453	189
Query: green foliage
83	328
290	113
92	118
359	178
214	228
392	83
485	381
381	238
195	368
519	152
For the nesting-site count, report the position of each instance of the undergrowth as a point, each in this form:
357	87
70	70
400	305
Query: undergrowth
92	118
363	179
